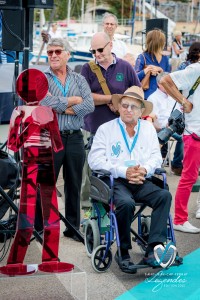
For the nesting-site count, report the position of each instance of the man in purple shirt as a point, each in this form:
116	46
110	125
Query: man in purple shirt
119	76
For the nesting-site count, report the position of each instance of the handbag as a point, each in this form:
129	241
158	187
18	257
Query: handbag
145	82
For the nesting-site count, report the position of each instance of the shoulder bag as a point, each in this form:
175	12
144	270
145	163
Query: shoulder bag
146	80
96	69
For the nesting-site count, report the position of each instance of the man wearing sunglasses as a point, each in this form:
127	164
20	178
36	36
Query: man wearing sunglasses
119	75
70	96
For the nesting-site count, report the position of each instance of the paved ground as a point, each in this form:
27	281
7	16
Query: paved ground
85	283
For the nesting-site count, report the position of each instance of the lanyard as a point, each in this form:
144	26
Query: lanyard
125	139
65	89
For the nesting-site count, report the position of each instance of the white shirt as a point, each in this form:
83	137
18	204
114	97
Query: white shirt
184	80
109	150
162	106
119	48
57	34
174	55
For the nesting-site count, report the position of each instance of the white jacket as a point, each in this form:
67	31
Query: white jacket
109	150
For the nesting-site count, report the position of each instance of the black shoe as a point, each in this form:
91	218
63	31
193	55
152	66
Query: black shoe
70	234
126	265
177	171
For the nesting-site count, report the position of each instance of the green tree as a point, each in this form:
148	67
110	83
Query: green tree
75	12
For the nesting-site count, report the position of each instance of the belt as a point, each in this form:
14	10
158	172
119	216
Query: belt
69	132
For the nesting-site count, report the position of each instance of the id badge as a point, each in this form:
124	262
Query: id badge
130	163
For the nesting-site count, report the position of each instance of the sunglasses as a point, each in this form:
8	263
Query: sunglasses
57	52
132	106
100	50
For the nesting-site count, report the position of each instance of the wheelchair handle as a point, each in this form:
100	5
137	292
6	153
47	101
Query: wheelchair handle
160	171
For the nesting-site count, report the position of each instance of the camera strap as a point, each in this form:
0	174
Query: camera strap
194	87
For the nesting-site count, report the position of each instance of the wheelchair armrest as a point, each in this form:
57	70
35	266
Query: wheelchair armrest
101	172
159	171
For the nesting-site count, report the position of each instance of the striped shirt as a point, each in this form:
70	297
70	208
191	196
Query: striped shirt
78	86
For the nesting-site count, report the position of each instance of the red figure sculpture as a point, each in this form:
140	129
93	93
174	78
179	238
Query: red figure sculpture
36	129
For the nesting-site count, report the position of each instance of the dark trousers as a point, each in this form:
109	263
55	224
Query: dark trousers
72	159
125	197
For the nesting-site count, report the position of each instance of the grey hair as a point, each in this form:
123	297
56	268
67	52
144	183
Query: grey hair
108	15
161	75
59	42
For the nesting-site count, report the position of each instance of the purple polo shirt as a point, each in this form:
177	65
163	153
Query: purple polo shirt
119	77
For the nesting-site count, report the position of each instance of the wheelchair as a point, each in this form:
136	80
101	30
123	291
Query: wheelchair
101	230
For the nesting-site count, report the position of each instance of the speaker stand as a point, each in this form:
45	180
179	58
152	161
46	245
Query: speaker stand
26	51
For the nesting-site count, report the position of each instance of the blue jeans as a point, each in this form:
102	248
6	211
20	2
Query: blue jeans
178	153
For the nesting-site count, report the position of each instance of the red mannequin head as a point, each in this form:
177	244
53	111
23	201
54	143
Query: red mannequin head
32	86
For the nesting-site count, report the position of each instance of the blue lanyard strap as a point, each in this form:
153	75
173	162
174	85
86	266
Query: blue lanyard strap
64	89
125	139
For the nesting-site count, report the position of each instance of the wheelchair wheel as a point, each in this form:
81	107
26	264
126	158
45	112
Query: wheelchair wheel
145	229
91	237
98	264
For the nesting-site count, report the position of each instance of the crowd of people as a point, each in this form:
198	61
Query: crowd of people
108	101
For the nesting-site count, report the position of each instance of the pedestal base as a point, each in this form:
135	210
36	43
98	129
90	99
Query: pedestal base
18	269
55	267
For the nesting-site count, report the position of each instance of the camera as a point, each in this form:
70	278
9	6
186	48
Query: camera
176	124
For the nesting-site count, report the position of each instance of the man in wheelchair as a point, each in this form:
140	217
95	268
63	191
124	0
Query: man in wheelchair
128	147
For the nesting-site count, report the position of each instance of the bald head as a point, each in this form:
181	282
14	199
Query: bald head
102	47
101	37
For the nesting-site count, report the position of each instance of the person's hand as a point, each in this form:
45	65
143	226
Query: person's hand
112	108
73	100
136	174
156	70
78	99
45	36
148	69
153	69
187	106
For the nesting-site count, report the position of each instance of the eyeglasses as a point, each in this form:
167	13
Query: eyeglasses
132	106
100	50
111	24
57	52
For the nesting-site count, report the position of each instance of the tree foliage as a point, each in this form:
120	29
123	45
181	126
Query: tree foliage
117	7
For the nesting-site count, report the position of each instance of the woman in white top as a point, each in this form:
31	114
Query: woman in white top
177	51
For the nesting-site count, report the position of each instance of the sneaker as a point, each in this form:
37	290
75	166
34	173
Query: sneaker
186	227
198	213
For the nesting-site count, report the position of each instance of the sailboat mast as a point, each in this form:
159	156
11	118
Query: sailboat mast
68	12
